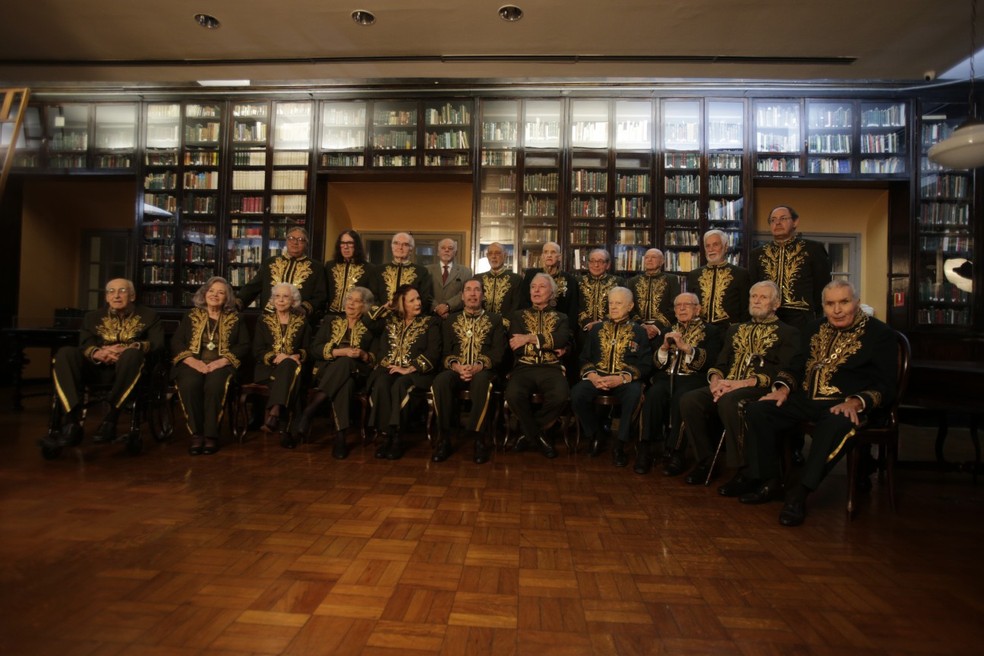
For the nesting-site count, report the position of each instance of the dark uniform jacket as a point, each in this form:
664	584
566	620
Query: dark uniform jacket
393	276
138	328
272	339
654	295
472	338
343	276
767	350
723	293
593	297
620	348
799	267
334	333
706	341
304	273
417	344
230	337
860	360
503	291
552	333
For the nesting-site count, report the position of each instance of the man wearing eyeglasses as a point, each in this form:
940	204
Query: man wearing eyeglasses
403	271
294	267
114	344
799	267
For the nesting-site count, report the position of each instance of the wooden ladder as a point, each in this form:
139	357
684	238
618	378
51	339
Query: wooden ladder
12	110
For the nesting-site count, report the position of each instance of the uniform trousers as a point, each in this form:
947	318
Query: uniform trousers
445	391
766	423
340	379
523	382
390	393
662	408
703	419
71	370
282	379
583	395
203	397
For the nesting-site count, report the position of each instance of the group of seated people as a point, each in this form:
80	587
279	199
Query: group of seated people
715	371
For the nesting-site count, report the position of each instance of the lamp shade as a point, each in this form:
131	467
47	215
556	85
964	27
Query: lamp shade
964	149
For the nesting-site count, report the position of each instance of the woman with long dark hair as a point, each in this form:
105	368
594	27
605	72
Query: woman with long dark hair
348	269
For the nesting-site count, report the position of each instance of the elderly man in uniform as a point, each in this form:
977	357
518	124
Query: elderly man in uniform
474	342
593	291
403	271
722	287
615	360
114	344
686	352
294	267
448	277
654	292
851	373
754	358
565	299
799	267
538	336
502	289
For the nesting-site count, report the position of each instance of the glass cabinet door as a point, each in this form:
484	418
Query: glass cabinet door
633	190
588	212
883	138
682	146
343	135
394	134
199	216
68	136
249	190
829	137
541	178
447	133
116	136
498	211
725	171
778	142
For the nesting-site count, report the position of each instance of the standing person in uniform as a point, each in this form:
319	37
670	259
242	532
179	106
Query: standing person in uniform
721	287
294	267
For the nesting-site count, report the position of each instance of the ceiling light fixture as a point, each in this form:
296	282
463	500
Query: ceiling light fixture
223	83
964	149
363	17
510	13
206	21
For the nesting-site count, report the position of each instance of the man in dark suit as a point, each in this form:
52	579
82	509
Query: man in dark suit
851	371
449	279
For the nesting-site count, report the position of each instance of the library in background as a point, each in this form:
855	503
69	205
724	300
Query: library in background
217	180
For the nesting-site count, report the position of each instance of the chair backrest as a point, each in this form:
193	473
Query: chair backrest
905	356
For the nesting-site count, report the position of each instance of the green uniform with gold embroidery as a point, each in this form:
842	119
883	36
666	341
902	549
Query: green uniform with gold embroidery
138	329
271	339
343	276
858	361
503	291
654	294
393	276
468	339
723	293
304	273
203	396
593	298
768	351
800	268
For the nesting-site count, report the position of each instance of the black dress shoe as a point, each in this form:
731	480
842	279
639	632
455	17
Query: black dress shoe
644	458
395	450
443	451
793	513
546	446
71	434
384	447
211	446
619	457
105	433
738	486
674	464
481	451
339	449
699	474
196	446
597	446
521	444
768	491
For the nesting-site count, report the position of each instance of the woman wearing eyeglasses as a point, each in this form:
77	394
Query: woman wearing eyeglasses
348	269
294	267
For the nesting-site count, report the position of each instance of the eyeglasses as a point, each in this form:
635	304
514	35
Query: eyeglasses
347	243
597	261
777	219
110	291
297	240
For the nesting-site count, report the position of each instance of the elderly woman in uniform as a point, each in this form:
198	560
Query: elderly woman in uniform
408	351
280	349
343	348
209	346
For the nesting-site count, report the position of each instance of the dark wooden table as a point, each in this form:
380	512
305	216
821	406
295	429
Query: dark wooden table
19	339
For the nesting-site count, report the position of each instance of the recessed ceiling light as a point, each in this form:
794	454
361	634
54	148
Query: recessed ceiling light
223	83
510	13
206	21
363	17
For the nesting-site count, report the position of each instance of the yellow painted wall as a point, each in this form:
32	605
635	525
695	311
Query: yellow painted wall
847	211
55	212
400	206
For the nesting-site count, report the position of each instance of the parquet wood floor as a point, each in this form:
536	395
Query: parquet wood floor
259	550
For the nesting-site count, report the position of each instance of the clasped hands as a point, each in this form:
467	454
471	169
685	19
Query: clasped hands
721	386
466	371
203	368
600	382
109	354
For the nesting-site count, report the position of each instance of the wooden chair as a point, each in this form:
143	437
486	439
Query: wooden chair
536	398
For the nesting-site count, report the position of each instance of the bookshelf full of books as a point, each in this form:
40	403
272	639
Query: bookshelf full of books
883	138
682	182
633	187
394	133
343	135
161	170
830	126
249	200
778	137
944	231
499	199
726	172
115	143
68	130
541	176
588	212
448	133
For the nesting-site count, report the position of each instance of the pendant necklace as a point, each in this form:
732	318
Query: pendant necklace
212	332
